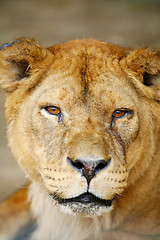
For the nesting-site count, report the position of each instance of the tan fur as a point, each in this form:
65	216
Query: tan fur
88	80
14	208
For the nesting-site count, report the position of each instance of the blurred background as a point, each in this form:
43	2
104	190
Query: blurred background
132	23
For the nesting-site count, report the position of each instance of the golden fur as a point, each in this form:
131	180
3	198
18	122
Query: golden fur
89	83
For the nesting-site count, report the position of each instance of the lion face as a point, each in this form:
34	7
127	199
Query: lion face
79	139
75	125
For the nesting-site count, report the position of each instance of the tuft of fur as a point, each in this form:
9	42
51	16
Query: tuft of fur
64	226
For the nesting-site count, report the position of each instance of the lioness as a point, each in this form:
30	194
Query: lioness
84	123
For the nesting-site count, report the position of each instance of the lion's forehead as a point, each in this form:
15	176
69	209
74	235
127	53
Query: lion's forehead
87	73
102	93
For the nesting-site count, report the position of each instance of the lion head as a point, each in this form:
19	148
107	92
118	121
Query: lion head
82	118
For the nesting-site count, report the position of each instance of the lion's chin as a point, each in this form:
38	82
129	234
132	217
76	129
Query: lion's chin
85	204
86	210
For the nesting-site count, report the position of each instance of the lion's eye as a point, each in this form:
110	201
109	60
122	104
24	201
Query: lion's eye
53	110
119	113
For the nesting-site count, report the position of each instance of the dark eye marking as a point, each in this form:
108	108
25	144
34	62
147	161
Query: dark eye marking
119	114
55	111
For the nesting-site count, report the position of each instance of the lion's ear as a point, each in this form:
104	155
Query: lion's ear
145	63
17	60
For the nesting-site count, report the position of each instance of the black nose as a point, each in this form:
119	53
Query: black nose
89	169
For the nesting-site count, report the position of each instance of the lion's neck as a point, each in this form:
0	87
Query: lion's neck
53	224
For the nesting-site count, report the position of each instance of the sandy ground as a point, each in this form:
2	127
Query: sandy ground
133	23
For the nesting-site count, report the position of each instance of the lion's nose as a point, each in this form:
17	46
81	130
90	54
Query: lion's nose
89	169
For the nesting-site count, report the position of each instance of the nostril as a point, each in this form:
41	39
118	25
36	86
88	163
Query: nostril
77	164
102	165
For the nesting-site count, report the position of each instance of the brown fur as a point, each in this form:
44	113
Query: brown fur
14	214
88	80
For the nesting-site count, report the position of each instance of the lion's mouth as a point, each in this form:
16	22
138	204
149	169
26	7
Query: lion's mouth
86	198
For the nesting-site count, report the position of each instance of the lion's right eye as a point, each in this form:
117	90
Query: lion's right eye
53	110
119	113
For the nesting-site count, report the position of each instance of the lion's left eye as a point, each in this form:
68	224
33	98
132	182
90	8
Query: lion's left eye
119	113
53	110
